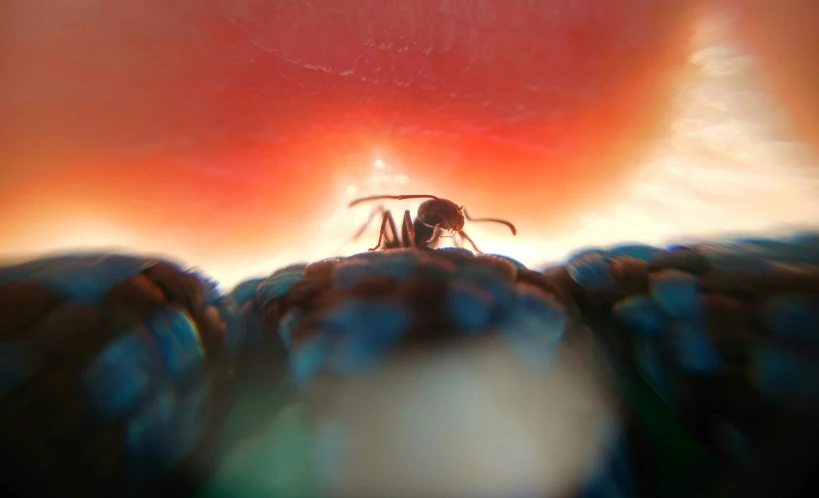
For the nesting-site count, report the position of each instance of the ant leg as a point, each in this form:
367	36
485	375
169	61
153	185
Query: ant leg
437	233
382	233
408	230
394	241
373	214
458	241
469	239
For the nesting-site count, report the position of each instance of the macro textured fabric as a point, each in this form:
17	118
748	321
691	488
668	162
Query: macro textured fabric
124	375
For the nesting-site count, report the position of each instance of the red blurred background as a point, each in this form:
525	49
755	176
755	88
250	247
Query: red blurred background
216	129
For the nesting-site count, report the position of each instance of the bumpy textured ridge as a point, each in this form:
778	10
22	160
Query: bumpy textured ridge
116	368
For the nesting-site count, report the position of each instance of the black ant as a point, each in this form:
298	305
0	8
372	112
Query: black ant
434	217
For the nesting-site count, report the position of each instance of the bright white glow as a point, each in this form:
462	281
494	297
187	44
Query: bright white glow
723	168
726	166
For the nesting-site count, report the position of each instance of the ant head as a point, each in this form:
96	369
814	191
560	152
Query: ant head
441	213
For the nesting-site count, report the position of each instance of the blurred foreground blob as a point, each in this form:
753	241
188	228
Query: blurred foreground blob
435	373
727	336
629	371
115	370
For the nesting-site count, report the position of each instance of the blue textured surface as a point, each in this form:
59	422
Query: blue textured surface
399	265
793	316
640	315
735	258
135	376
82	278
458	252
515	262
287	326
785	375
470	306
654	371
308	360
638	251
350	338
695	352
535	328
501	293
121	377
245	291
235	324
165	432
362	333
590	270
209	285
676	293
276	286
17	365
179	341
253	324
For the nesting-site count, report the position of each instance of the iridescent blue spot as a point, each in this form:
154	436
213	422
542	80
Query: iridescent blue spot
17	365
470	307
786	375
87	279
654	372
349	339
287	326
235	326
676	293
640	316
501	292
590	270
695	352
120	378
245	291
179	341
793	316
362	332
638	251
535	328
308	359
276	286
399	265
165	433
330	443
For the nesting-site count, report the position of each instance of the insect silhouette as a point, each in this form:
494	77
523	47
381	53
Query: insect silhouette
435	217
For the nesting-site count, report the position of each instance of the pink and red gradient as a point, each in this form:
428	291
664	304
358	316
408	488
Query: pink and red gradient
214	128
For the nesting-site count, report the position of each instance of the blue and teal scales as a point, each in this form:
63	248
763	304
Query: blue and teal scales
124	375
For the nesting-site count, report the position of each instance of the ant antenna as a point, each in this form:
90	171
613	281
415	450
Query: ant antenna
491	220
395	197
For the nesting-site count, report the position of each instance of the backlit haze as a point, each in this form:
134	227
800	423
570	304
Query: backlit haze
224	144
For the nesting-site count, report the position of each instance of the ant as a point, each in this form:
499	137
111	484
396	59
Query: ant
434	217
